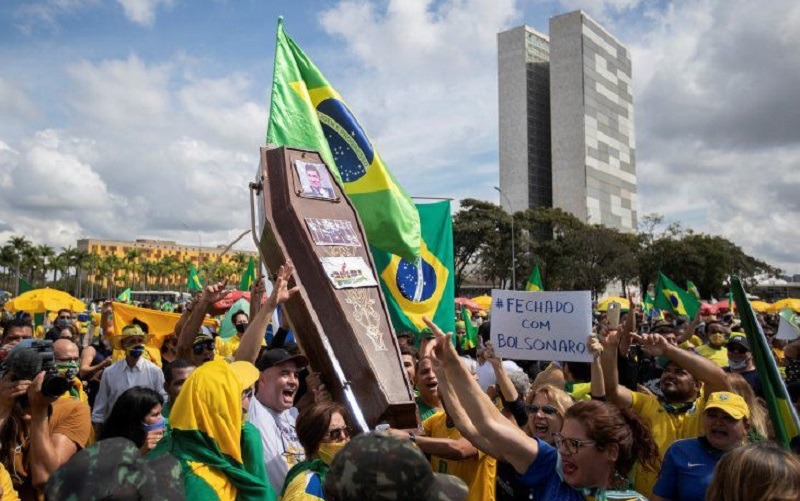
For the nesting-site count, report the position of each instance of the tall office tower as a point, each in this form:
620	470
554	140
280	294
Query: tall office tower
524	87
591	100
591	159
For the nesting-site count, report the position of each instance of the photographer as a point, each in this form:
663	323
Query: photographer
15	329
38	430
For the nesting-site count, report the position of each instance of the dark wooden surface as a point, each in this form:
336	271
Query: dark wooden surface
355	321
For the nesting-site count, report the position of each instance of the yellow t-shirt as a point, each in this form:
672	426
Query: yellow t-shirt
7	492
478	473
718	356
228	348
666	428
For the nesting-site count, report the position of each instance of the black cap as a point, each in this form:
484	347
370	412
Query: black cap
277	356
740	340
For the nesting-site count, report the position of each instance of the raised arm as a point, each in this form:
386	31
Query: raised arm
250	344
512	444
194	321
460	417
507	388
597	389
616	393
701	368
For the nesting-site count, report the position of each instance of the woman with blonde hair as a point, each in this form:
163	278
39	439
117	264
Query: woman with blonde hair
756	472
546	406
759	427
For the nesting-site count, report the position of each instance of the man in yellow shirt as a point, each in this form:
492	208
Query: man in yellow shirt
685	383
715	349
453	454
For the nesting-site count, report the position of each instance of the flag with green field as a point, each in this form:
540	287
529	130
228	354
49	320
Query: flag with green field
470	339
782	413
692	288
427	287
307	112
249	275
535	280
670	297
193	282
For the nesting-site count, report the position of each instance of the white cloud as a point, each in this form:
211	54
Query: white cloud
143	12
424	83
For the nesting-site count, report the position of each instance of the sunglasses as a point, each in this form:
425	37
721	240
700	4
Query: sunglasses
338	433
547	409
738	349
199	348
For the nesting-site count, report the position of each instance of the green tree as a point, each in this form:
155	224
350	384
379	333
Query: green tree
18	246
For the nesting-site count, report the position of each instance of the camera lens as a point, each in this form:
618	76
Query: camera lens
54	386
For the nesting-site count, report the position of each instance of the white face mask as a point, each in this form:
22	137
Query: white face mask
734	365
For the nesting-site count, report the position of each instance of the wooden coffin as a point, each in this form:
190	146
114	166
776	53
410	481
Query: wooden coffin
354	321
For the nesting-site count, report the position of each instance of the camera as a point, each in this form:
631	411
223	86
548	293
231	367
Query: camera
29	358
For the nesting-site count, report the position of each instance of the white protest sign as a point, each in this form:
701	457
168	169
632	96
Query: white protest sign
541	325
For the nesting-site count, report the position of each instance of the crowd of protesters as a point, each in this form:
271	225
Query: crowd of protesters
667	410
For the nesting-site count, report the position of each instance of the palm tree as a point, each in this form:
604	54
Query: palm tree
46	254
131	265
113	264
92	263
79	261
60	263
18	246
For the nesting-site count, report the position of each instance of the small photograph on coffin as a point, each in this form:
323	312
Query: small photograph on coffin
348	272
315	182
332	232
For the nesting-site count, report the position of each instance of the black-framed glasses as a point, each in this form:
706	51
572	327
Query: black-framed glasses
338	433
547	409
737	349
199	348
570	445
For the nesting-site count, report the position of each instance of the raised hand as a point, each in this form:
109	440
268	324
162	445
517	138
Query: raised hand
280	290
214	293
443	349
655	345
594	346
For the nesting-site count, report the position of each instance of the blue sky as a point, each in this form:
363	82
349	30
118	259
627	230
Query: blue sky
140	118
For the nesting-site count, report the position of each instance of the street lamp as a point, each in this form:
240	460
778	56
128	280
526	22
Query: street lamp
513	250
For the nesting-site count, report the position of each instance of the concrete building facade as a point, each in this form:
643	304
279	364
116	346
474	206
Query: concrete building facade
589	117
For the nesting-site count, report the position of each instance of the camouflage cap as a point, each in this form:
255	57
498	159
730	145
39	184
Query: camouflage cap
115	469
380	466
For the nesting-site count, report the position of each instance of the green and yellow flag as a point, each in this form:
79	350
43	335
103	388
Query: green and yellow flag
782	413
193	282
125	296
670	297
535	280
24	286
206	438
307	112
692	288
471	335
425	288
249	275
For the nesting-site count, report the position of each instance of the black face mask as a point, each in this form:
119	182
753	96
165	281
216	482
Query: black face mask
240	328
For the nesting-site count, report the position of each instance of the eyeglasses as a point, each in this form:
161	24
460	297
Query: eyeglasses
199	348
338	433
570	445
737	349
248	393
547	409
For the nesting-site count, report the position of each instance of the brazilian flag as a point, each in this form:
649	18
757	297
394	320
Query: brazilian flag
471	332
249	275
782	413
535	280
307	112
670	297
125	296
691	287
425	288
193	282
